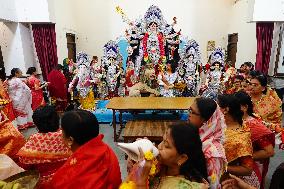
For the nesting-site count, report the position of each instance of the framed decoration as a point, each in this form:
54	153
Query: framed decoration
211	46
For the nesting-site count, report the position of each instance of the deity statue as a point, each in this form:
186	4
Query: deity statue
152	39
173	42
214	78
111	70
188	72
83	82
167	79
130	76
147	84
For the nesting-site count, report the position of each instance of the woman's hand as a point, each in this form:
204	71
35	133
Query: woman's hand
142	182
129	164
235	183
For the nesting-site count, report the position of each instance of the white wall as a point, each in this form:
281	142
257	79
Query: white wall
201	20
246	32
16	46
268	10
8	10
32	10
96	29
10	42
25	10
64	16
28	48
95	22
16	40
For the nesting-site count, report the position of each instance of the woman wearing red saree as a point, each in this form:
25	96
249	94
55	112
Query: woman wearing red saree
238	146
266	103
93	164
34	83
263	140
58	87
45	151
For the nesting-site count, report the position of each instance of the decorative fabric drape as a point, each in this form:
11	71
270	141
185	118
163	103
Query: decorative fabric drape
264	36
46	48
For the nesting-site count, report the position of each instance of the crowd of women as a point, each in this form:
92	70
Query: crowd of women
226	143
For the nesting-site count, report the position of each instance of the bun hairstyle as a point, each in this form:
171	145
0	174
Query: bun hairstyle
231	102
245	100
31	70
13	72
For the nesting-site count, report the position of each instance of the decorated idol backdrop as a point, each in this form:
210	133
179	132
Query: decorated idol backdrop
132	63
151	59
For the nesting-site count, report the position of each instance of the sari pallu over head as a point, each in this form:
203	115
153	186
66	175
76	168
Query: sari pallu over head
212	136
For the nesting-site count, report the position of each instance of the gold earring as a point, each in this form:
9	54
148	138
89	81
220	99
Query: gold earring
69	144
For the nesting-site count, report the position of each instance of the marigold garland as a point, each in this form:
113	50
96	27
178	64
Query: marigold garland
127	185
4	102
149	155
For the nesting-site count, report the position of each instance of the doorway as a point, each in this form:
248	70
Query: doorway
232	48
2	68
71	46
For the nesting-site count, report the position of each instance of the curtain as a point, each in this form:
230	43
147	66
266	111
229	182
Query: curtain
264	36
46	49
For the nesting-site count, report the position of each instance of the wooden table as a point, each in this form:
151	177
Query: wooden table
146	103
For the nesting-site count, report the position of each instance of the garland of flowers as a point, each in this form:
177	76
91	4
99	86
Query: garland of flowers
149	156
146	55
161	46
4	102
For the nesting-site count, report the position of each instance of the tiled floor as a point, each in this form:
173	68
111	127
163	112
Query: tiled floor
107	130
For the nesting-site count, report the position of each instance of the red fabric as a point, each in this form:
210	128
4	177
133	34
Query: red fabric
129	78
261	137
57	86
37	95
264	36
11	140
93	165
45	43
207	67
45	152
